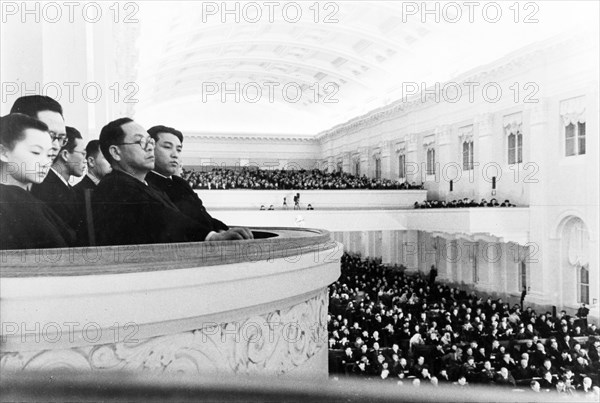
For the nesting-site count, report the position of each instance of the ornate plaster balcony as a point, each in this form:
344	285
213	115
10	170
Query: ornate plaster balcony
254	306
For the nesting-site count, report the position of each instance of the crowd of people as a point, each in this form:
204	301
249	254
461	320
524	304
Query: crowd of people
131	193
253	178
466	202
409	329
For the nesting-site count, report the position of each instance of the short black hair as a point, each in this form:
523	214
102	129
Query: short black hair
112	134
13	126
72	135
93	148
155	130
30	105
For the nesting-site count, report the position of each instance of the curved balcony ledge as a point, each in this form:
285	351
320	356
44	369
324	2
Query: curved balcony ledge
240	306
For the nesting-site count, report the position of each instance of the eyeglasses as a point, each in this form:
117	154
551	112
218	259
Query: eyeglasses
143	143
60	137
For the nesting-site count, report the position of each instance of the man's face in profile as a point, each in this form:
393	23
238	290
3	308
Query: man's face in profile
56	125
168	154
138	157
76	159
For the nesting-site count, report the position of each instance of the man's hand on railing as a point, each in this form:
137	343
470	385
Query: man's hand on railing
233	234
243	231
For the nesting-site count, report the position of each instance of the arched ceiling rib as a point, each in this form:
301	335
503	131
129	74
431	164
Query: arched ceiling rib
370	52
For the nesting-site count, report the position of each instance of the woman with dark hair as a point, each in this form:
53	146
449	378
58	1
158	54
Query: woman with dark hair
25	158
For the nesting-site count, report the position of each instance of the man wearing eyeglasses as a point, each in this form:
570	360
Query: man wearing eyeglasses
48	111
126	210
56	191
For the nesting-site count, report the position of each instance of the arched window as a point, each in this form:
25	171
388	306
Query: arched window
576	253
575	139
430	161
515	148
584	284
572	112
402	166
467	154
522	275
377	167
473	259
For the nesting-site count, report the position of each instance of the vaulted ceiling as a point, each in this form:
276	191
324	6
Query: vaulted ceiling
302	77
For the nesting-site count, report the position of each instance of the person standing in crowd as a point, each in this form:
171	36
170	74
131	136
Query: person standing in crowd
523	295
167	153
56	191
432	275
48	111
582	314
126	210
26	152
297	201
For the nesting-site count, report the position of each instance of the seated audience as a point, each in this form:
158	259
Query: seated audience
426	204
246	178
26	152
464	335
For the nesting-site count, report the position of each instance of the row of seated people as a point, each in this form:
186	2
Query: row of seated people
466	202
131	194
246	178
384	324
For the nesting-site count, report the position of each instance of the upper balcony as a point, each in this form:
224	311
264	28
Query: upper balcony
367	210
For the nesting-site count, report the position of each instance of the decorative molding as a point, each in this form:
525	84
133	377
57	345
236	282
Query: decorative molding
400	147
520	59
512	123
573	110
428	140
240	137
465	133
273	343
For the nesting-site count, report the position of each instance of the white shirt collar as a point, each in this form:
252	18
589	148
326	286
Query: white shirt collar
61	177
166	177
93	178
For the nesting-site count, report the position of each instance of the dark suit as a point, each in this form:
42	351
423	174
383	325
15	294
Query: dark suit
186	200
27	222
85	186
127	211
62	200
85	183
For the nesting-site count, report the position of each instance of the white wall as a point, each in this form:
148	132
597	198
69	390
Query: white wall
556	188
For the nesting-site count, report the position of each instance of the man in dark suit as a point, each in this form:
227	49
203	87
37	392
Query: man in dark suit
126	209
55	190
97	167
167	153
